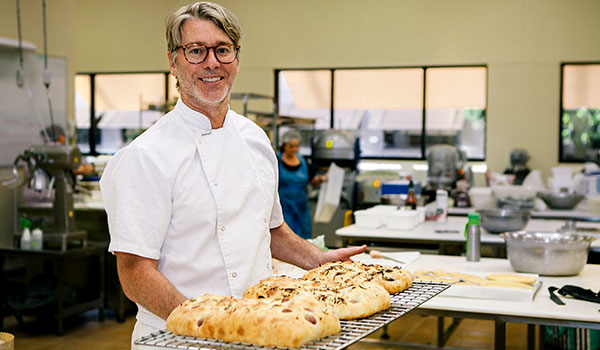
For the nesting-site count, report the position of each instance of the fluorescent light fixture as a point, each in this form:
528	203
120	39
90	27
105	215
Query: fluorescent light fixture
372	166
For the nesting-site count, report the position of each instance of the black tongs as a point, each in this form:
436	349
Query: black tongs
575	292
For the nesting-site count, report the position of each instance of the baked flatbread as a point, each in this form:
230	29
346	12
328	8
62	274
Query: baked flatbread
448	277
346	301
511	277
393	279
287	322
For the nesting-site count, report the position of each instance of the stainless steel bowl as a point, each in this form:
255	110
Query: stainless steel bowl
561	200
547	253
503	220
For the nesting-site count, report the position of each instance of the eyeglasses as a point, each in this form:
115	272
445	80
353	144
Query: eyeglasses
196	53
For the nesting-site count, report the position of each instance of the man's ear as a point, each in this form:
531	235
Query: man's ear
172	65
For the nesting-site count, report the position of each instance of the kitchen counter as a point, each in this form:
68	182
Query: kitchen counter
551	214
539	311
450	232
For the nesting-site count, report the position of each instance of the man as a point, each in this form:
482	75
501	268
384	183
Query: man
192	203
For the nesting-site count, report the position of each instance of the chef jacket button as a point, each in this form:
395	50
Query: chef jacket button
216	183
222	228
265	220
234	275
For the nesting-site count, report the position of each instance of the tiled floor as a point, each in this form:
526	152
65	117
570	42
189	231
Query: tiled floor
84	332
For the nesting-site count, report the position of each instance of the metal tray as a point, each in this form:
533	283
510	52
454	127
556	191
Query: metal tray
352	331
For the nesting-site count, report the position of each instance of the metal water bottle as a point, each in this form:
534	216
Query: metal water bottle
473	236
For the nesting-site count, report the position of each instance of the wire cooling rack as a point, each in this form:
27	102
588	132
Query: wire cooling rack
352	330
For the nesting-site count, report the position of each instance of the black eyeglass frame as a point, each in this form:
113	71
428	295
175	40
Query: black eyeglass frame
208	48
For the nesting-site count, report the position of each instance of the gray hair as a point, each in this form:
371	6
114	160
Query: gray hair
219	15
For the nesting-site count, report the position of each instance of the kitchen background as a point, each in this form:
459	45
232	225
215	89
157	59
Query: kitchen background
522	42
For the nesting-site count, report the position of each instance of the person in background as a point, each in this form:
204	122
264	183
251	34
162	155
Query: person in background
192	203
518	165
294	175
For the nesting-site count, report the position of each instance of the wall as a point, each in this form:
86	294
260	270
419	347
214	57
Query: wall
522	41
60	29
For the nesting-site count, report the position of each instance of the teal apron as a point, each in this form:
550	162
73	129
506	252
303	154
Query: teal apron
292	195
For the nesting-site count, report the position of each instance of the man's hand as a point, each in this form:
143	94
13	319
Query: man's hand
288	247
343	253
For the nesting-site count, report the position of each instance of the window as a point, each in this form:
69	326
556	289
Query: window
397	113
123	106
580	112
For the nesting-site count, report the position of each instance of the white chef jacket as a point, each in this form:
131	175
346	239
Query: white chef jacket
200	201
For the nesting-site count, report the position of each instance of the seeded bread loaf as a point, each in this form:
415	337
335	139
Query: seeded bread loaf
345	300
393	279
287	322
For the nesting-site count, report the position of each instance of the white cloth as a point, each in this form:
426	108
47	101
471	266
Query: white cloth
141	330
199	201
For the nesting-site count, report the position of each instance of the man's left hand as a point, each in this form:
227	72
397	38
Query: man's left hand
343	253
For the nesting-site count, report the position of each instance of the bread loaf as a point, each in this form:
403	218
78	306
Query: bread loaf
287	322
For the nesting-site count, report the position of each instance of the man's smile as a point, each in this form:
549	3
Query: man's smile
211	79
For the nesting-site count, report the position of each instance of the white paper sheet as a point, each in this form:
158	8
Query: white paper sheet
329	194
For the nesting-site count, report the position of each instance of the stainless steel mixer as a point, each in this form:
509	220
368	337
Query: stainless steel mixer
52	166
446	165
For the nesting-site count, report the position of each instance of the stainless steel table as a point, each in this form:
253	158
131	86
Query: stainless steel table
449	233
539	311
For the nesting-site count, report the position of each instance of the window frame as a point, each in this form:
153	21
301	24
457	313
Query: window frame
561	110
93	129
424	102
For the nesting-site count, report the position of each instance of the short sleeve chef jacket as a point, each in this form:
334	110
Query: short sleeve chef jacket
198	200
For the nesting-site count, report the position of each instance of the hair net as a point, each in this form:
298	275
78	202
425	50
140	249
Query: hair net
289	136
519	157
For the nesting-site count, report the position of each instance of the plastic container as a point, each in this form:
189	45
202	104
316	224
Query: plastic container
384	208
37	239
514	192
401	220
441	199
25	242
481	198
473	236
369	218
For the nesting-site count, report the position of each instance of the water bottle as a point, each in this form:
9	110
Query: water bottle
473	236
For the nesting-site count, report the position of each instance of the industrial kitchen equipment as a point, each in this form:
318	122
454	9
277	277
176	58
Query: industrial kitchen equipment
447	164
57	163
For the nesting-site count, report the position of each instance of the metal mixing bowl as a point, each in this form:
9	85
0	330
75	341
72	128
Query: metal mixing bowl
503	220
547	253
561	200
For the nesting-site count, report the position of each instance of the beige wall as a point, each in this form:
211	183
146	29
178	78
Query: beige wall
60	29
521	41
